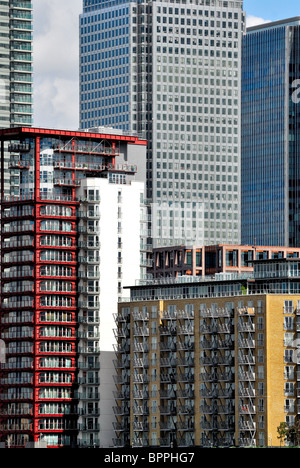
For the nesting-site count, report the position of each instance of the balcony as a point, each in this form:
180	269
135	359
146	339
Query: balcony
91	260
140	378
18	259
18	304
88	215
247	426
67	182
168	410
185	330
246	343
90	427
121	427
88	305
140	331
90	230
26	227
87	396
142	363
17	244
172	331
90	275
139	426
89	349
88	366
16	427
140	410
88	380
121	411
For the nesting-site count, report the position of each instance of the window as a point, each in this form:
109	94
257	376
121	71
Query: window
290	420
261	424
289	373
288	339
289	406
231	258
261	405
260	356
289	323
261	388
260	323
261	435
55	226
288	307
288	355
260	339
261	372
289	389
55	210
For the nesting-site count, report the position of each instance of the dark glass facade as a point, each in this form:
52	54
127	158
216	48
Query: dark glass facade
294	137
270	124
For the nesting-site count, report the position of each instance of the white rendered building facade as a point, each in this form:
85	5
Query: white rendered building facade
172	72
109	256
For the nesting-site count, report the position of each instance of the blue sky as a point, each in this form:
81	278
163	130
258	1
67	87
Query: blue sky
272	9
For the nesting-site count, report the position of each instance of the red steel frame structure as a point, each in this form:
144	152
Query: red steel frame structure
38	323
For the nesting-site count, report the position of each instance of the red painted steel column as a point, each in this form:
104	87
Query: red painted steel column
36	298
37	168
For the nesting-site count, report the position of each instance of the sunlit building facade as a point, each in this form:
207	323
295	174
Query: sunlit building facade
209	362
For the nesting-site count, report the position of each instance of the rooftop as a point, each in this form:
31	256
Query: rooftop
27	132
295	21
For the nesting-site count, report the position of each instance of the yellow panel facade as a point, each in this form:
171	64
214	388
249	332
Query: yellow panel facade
280	365
210	371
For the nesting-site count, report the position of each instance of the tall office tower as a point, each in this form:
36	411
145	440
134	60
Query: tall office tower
172	71
16	72
66	253
209	362
270	134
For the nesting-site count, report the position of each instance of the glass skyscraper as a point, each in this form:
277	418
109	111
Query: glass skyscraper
270	134
172	72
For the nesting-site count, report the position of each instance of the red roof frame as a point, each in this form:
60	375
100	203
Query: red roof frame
27	131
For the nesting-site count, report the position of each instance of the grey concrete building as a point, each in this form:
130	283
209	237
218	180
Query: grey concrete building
172	71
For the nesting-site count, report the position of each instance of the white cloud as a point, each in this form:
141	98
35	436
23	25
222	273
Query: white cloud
255	21
56	63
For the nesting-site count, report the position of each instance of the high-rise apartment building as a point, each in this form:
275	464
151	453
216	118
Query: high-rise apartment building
209	362
270	134
111	220
172	72
71	239
16	69
16	63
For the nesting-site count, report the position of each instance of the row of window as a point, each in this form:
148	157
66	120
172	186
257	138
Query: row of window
28	362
